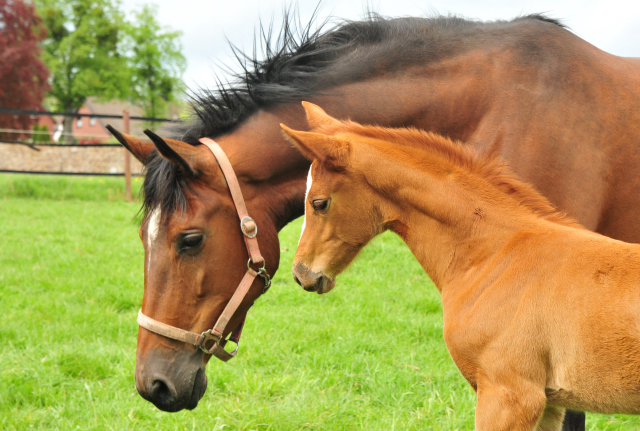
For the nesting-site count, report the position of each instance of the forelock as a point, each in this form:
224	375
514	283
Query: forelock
165	187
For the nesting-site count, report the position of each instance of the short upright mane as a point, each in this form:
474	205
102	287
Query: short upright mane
299	62
491	169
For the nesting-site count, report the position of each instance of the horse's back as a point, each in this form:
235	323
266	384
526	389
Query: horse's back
570	124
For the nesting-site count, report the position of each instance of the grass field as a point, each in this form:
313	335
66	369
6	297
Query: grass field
367	356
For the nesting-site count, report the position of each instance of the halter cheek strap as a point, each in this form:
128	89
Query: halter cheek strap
249	230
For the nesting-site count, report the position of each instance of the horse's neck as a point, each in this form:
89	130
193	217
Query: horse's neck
271	172
452	225
268	164
448	97
455	97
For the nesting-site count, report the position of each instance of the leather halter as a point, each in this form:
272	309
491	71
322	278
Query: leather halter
249	230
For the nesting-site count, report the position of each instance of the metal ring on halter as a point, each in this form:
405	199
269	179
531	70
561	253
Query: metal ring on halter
262	272
249	262
237	343
244	229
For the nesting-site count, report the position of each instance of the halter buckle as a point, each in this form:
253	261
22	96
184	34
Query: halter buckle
203	338
217	349
248	227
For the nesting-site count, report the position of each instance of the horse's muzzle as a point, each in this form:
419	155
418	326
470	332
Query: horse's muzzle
171	380
312	281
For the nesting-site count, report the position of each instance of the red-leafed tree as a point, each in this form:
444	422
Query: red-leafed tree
23	76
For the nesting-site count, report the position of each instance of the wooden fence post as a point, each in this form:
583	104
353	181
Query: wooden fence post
127	159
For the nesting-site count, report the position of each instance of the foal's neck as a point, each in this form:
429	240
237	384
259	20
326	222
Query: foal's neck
453	220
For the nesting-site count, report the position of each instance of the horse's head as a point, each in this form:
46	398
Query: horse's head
195	257
338	220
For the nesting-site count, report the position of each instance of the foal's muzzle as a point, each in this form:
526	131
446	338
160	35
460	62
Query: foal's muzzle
312	281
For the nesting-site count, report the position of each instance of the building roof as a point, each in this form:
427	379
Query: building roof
117	107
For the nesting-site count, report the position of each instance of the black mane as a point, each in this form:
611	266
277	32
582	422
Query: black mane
299	62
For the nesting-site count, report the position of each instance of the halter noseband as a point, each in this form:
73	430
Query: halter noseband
249	230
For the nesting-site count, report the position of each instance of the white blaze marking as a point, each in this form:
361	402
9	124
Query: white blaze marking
152	231
306	195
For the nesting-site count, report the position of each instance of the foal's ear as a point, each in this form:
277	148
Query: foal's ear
186	156
317	118
331	151
140	148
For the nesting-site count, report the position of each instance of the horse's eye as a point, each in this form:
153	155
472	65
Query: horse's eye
190	242
320	204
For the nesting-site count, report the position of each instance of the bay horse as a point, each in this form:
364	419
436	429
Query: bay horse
509	267
564	114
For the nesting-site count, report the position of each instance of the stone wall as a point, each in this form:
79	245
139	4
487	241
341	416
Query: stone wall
99	159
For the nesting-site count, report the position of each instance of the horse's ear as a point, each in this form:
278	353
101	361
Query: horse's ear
331	151
186	156
140	148
317	118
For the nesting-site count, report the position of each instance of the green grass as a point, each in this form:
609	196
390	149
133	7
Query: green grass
367	356
62	187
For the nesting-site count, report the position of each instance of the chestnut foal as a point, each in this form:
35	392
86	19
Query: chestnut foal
540	314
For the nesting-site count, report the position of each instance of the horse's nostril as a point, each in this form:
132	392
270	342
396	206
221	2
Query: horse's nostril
295	277
172	381
161	394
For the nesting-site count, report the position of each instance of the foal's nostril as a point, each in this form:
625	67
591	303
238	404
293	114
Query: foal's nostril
295	277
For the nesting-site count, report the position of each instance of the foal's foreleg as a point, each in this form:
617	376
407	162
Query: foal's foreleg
509	408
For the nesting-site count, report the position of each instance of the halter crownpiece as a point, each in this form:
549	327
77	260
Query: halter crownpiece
250	231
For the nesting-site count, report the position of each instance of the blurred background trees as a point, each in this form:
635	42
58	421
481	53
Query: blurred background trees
89	49
23	75
155	62
81	51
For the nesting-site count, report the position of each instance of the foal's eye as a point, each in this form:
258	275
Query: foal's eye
190	242
320	204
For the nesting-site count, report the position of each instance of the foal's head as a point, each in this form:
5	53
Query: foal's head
339	219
